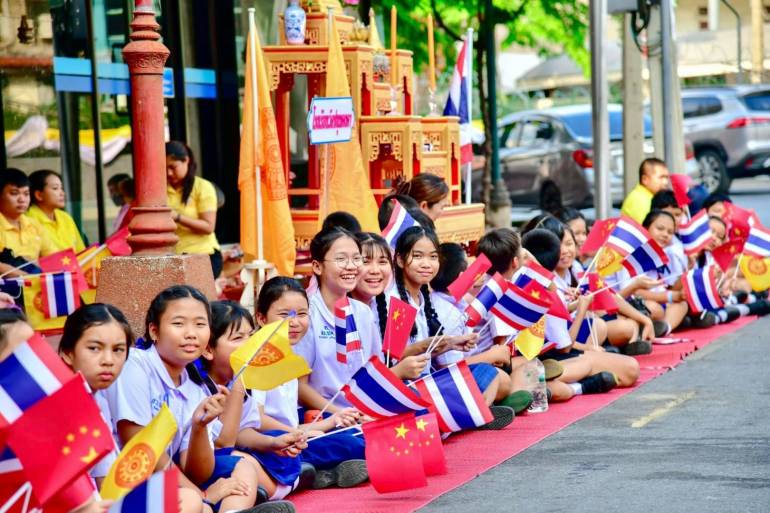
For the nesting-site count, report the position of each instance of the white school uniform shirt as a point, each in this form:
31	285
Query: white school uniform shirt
281	403
250	416
142	388
319	348
102	467
677	262
452	317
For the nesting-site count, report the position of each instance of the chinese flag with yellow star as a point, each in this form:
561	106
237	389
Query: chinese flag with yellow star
433	459
137	461
401	317
600	232
726	253
56	448
394	454
603	297
268	358
64	261
756	271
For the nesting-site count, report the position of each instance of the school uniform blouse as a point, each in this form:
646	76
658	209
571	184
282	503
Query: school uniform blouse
28	241
281	403
677	262
451	315
203	198
62	231
102	467
319	348
250	416
142	388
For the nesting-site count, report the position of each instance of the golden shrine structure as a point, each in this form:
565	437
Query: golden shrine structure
395	143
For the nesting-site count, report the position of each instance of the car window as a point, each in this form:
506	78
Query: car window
510	135
535	132
695	106
758	101
579	125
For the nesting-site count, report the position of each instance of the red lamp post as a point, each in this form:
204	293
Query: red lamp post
152	228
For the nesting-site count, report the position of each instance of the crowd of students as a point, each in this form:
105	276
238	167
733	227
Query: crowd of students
245	450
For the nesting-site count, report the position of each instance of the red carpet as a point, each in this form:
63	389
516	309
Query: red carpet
470	454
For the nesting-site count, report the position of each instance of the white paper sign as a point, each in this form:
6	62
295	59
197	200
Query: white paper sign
330	120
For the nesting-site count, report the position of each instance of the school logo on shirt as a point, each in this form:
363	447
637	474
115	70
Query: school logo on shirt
157	403
136	466
327	332
268	355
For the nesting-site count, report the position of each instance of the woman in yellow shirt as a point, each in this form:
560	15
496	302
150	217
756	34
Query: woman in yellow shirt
194	202
48	199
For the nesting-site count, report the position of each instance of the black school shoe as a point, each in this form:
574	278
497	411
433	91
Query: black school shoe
599	383
503	415
271	507
306	477
345	475
703	321
660	328
637	347
760	308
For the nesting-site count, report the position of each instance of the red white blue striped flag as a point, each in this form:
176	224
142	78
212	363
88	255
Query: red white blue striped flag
345	330
696	234
758	243
60	294
647	257
377	392
487	297
519	309
159	494
399	222
700	287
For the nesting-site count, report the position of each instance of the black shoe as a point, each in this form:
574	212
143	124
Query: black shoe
599	383
503	415
741	296
759	308
548	394
636	348
732	313
271	507
346	474
262	495
306	477
661	328
609	348
685	324
704	320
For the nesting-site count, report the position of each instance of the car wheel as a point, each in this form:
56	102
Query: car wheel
713	171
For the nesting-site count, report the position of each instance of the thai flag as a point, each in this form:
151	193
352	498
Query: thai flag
627	236
455	398
377	392
399	222
647	257
10	466
59	294
159	494
758	243
700	287
533	272
458	102
519	309
31	373
487	297
345	330
696	234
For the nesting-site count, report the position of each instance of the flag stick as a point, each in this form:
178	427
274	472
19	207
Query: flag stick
256	352
591	331
25	490
25	264
590	266
387	358
326	406
329	433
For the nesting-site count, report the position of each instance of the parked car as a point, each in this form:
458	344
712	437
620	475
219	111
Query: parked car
540	149
729	128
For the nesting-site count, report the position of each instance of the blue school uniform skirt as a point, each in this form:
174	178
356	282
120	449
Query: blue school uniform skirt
283	469
332	450
484	374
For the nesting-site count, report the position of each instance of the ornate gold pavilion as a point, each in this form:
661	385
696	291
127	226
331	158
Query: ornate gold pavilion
392	146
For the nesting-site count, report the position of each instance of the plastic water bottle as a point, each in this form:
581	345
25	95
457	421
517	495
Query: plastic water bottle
535	379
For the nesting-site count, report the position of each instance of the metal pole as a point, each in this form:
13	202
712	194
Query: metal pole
633	108
757	41
469	67
740	43
599	100
96	122
668	76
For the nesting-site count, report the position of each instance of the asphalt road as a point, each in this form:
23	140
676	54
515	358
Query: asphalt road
696	439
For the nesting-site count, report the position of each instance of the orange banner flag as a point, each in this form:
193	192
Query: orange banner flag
263	156
349	188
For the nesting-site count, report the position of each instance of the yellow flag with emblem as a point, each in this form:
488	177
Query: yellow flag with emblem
756	271
274	363
137	461
90	260
33	306
608	261
530	341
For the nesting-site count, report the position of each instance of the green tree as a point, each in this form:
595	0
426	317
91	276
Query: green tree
549	26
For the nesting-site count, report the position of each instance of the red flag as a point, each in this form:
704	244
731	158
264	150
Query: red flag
465	281
557	308
604	300
681	184
55	448
433	459
400	321
393	454
739	220
117	243
724	254
598	235
64	261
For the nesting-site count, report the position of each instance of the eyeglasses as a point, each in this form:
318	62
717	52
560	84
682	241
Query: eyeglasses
342	262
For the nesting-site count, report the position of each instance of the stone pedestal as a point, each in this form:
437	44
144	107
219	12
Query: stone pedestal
130	283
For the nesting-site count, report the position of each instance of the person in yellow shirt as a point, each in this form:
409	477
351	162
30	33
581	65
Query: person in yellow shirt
20	235
194	204
653	177
47	192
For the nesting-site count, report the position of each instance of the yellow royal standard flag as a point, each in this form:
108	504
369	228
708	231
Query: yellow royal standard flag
137	461
756	271
34	306
530	341
349	189
274	364
608	261
263	155
90	260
